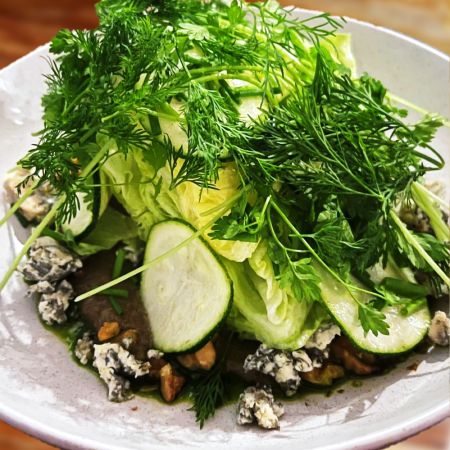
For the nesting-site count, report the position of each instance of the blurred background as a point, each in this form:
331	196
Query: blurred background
25	24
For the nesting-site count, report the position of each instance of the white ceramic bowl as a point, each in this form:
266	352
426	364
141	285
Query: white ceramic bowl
43	392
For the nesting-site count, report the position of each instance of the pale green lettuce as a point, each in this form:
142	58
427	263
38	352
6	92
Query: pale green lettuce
112	227
125	178
250	316
147	196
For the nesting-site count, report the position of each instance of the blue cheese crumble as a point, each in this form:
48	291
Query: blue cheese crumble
318	344
84	349
258	405
49	261
439	331
285	366
112	362
36	206
53	306
48	264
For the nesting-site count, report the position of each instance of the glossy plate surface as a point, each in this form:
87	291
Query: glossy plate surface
43	392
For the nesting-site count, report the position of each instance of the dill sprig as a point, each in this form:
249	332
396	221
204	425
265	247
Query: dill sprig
208	393
143	54
321	168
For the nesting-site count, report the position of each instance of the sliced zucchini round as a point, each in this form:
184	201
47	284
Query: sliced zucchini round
86	217
187	294
105	192
405	332
90	209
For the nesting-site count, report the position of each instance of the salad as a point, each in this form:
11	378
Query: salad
218	197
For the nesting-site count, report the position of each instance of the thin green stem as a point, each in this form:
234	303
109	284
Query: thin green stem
203	70
157	260
416	245
350	287
74	101
118	263
412	106
48	219
220	207
115	292
227	76
28	191
436	199
429	207
34	235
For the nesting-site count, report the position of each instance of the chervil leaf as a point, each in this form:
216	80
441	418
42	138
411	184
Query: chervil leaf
436	249
194	32
244	223
301	278
372	320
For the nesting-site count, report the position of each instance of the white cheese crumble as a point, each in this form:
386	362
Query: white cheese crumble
36	206
258	404
278	364
322	338
52	307
112	361
152	353
439	331
133	253
286	366
49	261
318	344
84	348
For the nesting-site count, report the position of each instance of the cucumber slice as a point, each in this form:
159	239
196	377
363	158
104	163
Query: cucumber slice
405	332
84	221
105	192
187	294
89	212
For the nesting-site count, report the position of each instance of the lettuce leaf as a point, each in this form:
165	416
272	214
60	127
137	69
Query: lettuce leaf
112	228
249	315
147	196
126	179
195	205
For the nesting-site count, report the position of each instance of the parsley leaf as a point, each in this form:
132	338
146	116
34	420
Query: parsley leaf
372	320
300	277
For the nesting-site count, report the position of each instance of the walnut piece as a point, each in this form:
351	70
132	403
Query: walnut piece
325	375
108	330
204	358
171	383
353	359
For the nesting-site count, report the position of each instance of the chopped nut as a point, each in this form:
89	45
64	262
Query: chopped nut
108	330
127	338
171	383
156	360
354	360
324	375
201	359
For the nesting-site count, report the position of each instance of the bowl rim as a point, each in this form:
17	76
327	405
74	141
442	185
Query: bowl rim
375	440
